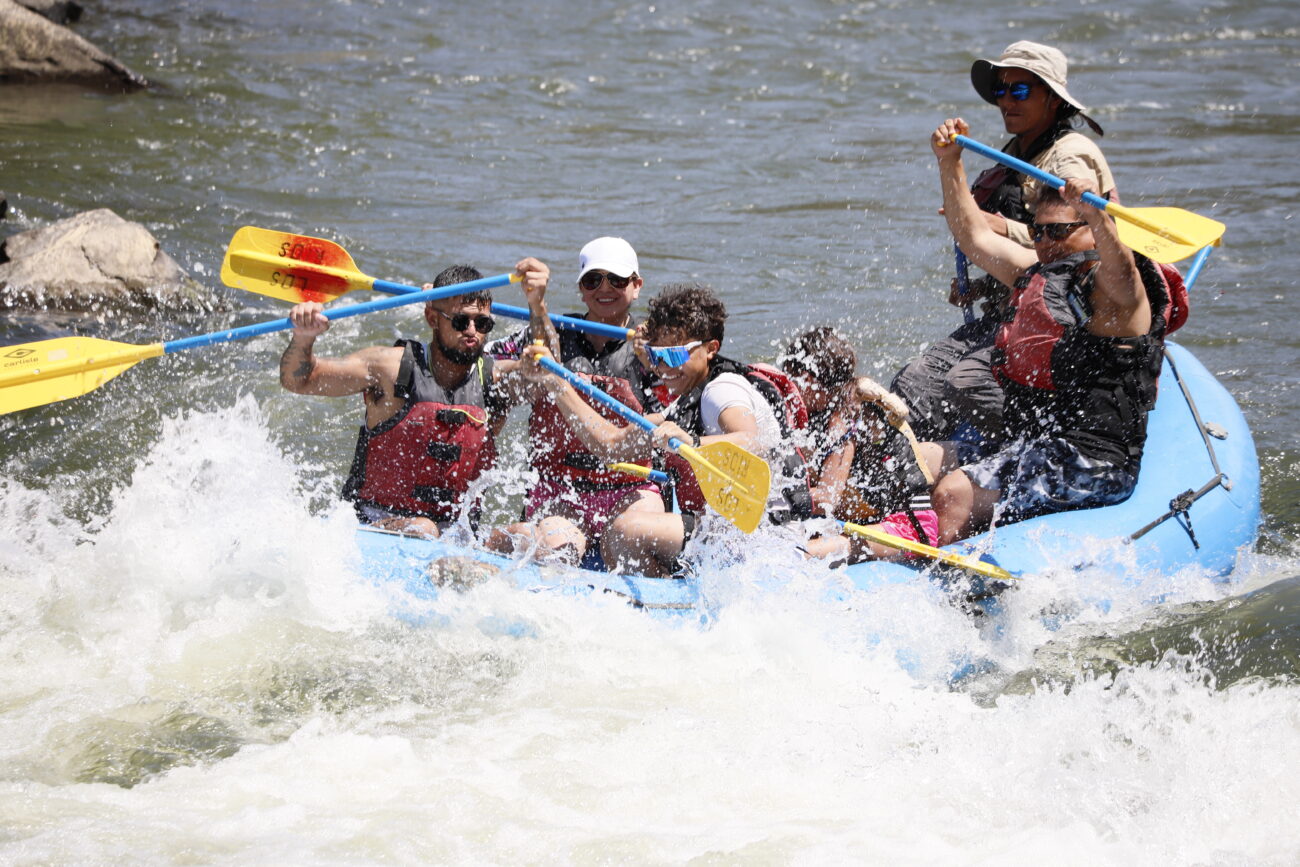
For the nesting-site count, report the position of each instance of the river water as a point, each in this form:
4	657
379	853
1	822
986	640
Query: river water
193	671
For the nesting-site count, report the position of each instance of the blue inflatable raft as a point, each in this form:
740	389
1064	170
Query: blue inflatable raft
1196	505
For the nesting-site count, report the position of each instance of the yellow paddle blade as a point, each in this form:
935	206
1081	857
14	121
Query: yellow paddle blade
290	267
972	564
1166	235
34	374
734	482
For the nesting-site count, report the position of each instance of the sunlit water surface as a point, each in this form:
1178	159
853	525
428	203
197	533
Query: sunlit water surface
194	671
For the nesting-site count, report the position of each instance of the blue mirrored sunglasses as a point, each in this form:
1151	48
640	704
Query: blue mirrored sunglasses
1019	91
672	356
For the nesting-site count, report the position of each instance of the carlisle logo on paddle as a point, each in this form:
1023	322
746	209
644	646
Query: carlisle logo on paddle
21	355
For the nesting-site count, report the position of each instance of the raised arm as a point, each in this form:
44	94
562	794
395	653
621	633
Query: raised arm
1119	300
1000	256
302	372
534	277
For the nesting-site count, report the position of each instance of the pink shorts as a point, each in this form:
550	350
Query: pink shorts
900	525
591	511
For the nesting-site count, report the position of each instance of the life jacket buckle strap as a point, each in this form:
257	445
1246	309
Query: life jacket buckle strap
449	452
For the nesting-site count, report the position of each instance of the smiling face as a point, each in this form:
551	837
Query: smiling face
681	380
605	303
1033	116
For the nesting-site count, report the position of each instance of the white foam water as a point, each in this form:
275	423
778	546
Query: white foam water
204	678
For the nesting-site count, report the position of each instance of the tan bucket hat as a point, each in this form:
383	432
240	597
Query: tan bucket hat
1046	62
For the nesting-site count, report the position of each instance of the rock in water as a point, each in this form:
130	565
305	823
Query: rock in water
58	11
35	49
92	261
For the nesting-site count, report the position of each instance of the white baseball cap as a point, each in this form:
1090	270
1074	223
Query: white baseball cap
608	254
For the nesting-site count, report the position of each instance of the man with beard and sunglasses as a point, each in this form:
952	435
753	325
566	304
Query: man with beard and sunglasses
950	388
578	494
1078	354
432	410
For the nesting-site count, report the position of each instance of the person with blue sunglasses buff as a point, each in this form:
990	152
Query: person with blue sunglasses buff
950	387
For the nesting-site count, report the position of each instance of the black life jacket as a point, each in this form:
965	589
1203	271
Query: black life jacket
999	189
1063	381
420	462
884	477
787	406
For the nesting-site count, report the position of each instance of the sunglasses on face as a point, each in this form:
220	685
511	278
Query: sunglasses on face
592	279
1055	231
461	321
1019	91
672	356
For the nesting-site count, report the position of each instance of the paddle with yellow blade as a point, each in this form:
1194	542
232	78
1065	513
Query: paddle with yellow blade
735	482
961	561
263	261
1166	235
34	374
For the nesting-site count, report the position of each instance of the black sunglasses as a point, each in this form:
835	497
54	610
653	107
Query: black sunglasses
591	280
461	321
1019	91
1055	231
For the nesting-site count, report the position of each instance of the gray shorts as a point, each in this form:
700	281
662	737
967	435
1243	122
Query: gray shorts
1040	476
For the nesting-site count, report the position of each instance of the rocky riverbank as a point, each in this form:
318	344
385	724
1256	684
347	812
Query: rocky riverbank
37	46
94	260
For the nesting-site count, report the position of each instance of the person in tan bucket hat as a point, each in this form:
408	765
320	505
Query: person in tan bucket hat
950	387
1048	63
1028	85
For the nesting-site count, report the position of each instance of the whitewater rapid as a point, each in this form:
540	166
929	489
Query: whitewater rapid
201	675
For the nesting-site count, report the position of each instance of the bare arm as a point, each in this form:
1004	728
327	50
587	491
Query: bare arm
833	475
534	277
600	436
1119	300
302	372
998	255
739	427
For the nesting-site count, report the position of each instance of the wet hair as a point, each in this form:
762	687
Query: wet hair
690	308
463	274
822	355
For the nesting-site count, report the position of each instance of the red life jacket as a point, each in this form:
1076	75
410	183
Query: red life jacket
1062	380
420	462
781	393
558	453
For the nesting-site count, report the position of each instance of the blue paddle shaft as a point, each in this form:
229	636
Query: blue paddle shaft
963	283
591	391
567	323
1197	264
1025	168
403	295
564	323
613	403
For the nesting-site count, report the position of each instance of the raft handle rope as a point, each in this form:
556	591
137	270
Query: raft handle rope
1181	505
